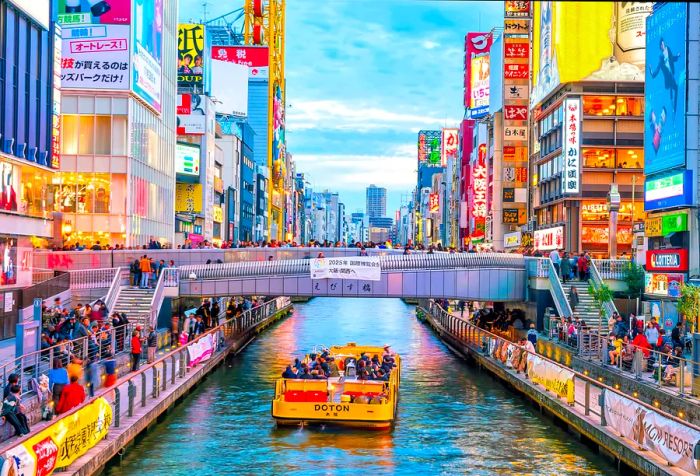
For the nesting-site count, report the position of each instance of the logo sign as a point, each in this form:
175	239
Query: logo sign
477	67
515	133
190	51
511	240
95	57
549	239
515	113
450	141
257	58
511	216
667	260
514	153
520	49
434	202
572	146
516	71
515	92
513	26
191	117
670	191
430	148
517	9
509	195
666	224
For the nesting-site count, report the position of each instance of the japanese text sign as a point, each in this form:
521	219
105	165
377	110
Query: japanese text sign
479	189
190	52
450	142
572	146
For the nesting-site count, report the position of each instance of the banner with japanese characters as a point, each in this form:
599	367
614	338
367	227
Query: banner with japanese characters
61	443
366	268
95	57
572	146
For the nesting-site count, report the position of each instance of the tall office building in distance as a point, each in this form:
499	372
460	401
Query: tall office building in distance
376	201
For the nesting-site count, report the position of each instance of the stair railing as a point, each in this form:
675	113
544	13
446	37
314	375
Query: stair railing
157	300
608	306
114	288
561	301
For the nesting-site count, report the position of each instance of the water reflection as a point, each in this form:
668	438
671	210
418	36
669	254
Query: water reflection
452	418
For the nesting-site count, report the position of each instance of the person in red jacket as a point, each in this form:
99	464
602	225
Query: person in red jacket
135	351
72	395
640	342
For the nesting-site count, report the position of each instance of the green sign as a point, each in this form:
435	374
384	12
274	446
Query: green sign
674	223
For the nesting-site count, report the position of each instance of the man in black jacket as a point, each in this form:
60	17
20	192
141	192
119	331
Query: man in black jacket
152	344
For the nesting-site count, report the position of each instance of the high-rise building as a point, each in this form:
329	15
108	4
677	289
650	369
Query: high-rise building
376	201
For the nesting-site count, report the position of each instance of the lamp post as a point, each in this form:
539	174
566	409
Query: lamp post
613	209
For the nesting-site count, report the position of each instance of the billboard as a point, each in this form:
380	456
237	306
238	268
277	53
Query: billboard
190	54
95	57
571	182
187	159
430	148
549	238
191	114
450	143
147	47
591	41
91	12
188	197
479	195
434	203
229	85
477	72
256	58
674	190
664	92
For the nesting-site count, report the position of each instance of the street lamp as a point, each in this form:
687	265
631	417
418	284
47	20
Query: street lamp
613	208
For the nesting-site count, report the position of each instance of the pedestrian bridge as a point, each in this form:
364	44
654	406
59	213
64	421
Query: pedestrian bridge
469	276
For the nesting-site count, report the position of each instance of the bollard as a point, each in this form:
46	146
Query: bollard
165	374
117	405
601	402
681	376
156	381
172	380
132	395
143	389
587	407
637	364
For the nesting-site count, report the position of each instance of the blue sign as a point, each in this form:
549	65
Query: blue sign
665	97
147	26
668	191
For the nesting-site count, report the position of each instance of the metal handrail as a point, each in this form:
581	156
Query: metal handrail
612	268
92	278
173	364
157	300
561	301
445	319
114	288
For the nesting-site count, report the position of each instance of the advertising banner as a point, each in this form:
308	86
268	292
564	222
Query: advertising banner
229	85
61	443
190	54
549	239
430	148
187	159
673	260
450	142
515	133
366	268
95	57
515	112
673	190
663	284
517	9
191	115
91	12
572	146
665	88
669	439
591	41
256	58
434	203
477	71
201	350
11	179
516	91
552	377
513	26
511	240
147	46
188	197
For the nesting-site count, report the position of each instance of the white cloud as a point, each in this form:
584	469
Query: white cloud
331	114
430	45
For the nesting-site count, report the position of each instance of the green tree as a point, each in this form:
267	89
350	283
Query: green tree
689	305
601	295
635	279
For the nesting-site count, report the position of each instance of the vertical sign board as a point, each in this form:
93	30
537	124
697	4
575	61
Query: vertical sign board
147	48
572	146
450	143
430	148
479	195
477	71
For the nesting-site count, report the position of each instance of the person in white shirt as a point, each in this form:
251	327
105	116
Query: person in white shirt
556	260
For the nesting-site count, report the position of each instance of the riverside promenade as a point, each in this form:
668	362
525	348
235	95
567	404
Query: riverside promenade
92	434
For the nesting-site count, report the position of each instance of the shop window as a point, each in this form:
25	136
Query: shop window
599	105
103	135
86	135
119	134
598	158
630	158
83	193
69	134
630	106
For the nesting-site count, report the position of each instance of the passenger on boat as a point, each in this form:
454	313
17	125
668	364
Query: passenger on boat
375	360
362	371
381	375
387	351
304	373
297	364
364	358
290	372
333	370
324	366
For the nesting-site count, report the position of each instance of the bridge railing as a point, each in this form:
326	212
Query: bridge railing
388	263
612	268
137	389
92	278
588	393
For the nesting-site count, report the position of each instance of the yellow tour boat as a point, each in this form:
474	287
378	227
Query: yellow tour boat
345	399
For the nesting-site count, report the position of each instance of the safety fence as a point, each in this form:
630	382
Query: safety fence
92	278
633	421
612	268
46	289
140	388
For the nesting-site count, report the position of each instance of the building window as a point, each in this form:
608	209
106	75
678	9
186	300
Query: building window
83	193
599	158
87	134
613	106
630	158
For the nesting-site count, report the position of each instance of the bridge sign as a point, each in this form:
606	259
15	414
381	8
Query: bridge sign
366	268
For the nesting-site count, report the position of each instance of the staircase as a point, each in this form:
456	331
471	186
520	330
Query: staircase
586	308
135	303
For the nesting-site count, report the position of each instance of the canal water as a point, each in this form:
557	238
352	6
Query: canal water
453	418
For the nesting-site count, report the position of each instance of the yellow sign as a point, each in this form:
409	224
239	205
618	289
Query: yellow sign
593	41
188	197
218	214
551	376
61	443
218	185
652	226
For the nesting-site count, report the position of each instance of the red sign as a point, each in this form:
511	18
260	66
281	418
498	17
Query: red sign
46	455
517	9
434	203
515	113
475	45
251	56
479	188
668	260
185	106
517	50
516	71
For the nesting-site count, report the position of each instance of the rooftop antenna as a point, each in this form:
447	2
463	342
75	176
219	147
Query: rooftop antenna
204	11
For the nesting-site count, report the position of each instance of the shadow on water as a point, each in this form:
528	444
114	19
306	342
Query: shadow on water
453	419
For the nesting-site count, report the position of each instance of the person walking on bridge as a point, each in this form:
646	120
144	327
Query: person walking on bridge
556	260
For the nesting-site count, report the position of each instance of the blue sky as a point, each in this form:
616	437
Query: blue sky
363	76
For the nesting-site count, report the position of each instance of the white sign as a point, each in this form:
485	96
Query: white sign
571	182
549	239
191	114
511	240
515	133
95	57
516	91
229	85
366	268
201	350
671	440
